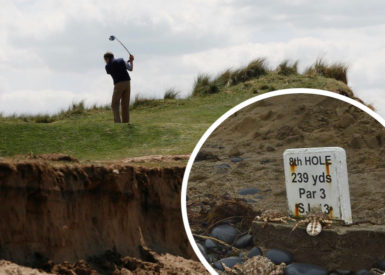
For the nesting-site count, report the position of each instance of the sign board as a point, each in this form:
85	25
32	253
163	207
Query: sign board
317	178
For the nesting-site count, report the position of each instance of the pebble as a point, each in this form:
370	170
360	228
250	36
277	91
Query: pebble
229	262
225	232
305	269
270	148
236	159
210	244
279	256
248	191
222	168
255	251
380	264
244	241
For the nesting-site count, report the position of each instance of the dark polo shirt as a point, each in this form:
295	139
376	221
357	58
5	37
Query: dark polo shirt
117	68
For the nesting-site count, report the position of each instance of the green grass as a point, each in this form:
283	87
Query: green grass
164	126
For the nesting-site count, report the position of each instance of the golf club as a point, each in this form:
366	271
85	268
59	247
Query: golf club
113	37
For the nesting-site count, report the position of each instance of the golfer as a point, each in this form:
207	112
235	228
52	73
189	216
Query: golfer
117	68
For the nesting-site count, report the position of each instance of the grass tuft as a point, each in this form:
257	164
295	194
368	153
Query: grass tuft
76	110
144	102
204	86
337	71
286	69
254	69
171	94
224	79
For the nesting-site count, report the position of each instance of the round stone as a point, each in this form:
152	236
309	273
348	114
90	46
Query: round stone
305	269
210	244
255	251
229	262
225	232
248	191
279	256
244	241
236	159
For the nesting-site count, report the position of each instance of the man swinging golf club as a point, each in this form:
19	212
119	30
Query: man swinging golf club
117	68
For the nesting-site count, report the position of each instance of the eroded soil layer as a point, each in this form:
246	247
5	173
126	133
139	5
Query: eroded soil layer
67	212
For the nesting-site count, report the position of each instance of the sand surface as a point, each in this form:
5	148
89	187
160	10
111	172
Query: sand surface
9	268
261	132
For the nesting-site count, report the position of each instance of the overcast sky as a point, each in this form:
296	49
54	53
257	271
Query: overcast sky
51	51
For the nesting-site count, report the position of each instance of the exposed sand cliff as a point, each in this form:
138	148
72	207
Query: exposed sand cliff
70	211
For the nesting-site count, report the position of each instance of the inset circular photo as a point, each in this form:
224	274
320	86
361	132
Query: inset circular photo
289	182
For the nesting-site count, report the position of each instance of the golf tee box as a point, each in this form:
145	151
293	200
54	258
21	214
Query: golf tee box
317	178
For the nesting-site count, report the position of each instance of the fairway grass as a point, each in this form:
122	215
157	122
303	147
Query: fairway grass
165	126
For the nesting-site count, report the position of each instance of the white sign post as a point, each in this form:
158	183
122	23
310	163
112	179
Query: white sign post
317	178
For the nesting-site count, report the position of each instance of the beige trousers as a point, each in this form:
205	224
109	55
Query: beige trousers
121	97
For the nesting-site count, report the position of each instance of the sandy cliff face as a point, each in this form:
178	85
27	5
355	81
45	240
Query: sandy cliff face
67	212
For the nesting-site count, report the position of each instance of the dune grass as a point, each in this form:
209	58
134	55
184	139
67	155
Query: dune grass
205	84
158	126
337	71
286	69
171	94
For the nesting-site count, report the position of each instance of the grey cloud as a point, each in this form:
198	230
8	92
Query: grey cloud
173	41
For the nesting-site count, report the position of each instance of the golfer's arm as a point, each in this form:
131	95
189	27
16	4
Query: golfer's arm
130	65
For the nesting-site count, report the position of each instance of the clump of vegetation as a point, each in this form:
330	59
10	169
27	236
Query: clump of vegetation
171	94
254	69
258	69
286	69
337	71
224	79
204	86
144	102
73	111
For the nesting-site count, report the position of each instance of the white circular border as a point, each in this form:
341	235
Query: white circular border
227	115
